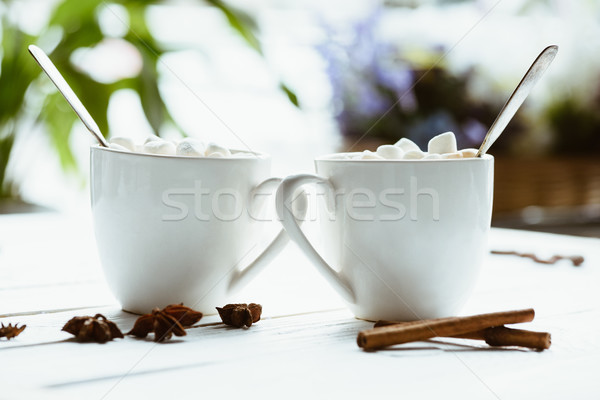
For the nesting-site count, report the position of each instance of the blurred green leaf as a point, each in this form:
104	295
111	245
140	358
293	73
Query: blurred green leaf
290	94
240	22
17	71
16	75
71	14
245	26
147	85
59	121
6	144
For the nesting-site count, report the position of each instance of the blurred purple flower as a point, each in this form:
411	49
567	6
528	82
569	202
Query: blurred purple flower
365	73
371	78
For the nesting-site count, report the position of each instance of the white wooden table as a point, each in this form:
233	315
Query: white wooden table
305	345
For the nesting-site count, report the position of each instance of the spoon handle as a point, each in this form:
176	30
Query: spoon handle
63	87
533	75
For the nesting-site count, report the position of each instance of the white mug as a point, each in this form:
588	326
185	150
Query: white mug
402	239
175	229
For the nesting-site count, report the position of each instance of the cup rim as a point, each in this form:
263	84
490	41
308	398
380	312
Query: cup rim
325	158
258	156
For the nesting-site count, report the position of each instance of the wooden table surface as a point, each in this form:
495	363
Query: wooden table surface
305	345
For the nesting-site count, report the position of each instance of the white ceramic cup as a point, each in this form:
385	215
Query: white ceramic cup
175	229
402	239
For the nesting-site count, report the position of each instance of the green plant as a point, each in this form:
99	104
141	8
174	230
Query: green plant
575	125
17	73
20	77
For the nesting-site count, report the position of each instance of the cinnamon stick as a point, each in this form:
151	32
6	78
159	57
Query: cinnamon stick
503	336
497	336
444	327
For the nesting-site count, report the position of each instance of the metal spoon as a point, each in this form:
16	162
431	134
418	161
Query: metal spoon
535	72
63	87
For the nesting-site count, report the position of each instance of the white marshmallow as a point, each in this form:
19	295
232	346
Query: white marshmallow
442	143
159	147
456	154
390	152
469	153
215	148
414	155
369	155
126	142
407	145
152	138
190	148
432	157
116	146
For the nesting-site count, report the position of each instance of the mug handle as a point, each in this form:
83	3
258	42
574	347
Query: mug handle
242	275
284	198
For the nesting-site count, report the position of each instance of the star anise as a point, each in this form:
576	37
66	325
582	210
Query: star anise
10	331
240	315
93	329
184	315
164	323
161	323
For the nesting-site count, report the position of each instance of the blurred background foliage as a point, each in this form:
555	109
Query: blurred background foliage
385	88
72	26
366	72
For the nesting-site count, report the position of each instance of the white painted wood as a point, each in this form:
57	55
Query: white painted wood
305	345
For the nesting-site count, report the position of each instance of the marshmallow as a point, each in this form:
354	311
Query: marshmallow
390	152
125	142
414	155
369	155
187	147
407	145
190	148
456	154
159	147
215	148
442	143
116	146
152	138
469	153
440	147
